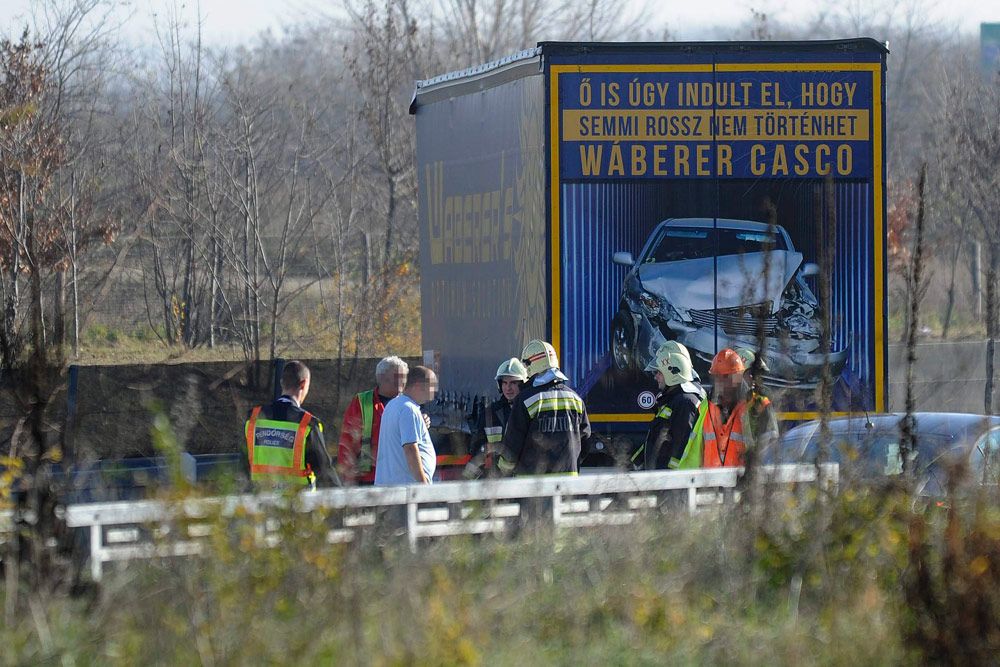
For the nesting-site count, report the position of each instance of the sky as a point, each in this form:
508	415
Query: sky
228	22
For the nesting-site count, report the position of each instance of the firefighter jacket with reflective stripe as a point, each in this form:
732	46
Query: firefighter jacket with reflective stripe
358	447
285	444
676	412
490	426
546	431
489	431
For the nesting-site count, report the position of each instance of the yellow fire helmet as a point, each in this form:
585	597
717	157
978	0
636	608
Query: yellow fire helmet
539	357
512	368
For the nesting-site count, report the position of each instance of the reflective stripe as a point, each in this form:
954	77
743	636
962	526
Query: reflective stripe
664	412
727	447
453	459
494	434
365	460
274	457
673	463
250	434
551	401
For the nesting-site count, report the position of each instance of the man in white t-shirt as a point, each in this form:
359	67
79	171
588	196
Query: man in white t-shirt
405	452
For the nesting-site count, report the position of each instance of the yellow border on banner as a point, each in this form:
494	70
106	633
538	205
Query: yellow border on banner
878	223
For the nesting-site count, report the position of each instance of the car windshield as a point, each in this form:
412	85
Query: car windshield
874	452
679	243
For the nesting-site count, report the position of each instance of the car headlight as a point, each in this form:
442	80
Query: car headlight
650	304
654	306
798	316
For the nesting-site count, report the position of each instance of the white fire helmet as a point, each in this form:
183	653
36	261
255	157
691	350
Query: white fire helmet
675	367
748	357
512	368
669	347
539	357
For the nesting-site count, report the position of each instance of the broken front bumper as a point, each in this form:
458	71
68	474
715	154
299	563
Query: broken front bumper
794	363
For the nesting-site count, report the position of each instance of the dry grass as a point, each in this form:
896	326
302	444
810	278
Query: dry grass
810	582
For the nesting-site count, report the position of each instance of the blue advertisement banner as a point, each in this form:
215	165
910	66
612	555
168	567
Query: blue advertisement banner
711	123
719	205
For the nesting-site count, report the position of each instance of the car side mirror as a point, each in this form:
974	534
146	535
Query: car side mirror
810	269
623	258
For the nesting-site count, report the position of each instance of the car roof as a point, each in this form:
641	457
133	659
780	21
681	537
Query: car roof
724	223
928	423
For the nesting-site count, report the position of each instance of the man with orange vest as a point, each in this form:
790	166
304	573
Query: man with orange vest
358	448
733	420
285	444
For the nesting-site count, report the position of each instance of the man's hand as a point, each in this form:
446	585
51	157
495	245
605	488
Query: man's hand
427	419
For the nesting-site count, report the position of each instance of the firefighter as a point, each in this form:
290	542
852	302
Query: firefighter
548	423
755	367
675	411
358	448
285	444
727	423
762	418
510	376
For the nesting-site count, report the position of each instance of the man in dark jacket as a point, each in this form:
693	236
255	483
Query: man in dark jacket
548	422
676	410
285	444
510	377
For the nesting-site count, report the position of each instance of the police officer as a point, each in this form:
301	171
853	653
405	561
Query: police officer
510	376
675	411
285	444
548	421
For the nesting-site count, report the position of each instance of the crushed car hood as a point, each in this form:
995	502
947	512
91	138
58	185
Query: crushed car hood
688	284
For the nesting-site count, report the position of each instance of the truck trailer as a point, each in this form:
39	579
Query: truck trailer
608	197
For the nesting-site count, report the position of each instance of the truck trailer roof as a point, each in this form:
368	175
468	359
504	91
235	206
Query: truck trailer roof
529	61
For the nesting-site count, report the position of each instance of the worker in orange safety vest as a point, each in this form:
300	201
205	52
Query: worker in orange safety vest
733	420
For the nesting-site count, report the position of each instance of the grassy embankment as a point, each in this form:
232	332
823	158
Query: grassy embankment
867	577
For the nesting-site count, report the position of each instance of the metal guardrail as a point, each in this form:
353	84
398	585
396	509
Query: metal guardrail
122	531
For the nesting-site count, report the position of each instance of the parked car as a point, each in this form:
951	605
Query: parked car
869	446
715	283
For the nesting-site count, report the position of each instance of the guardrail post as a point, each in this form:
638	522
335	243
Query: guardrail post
411	522
96	552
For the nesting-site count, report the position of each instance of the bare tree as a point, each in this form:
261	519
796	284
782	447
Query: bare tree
34	250
967	152
475	31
